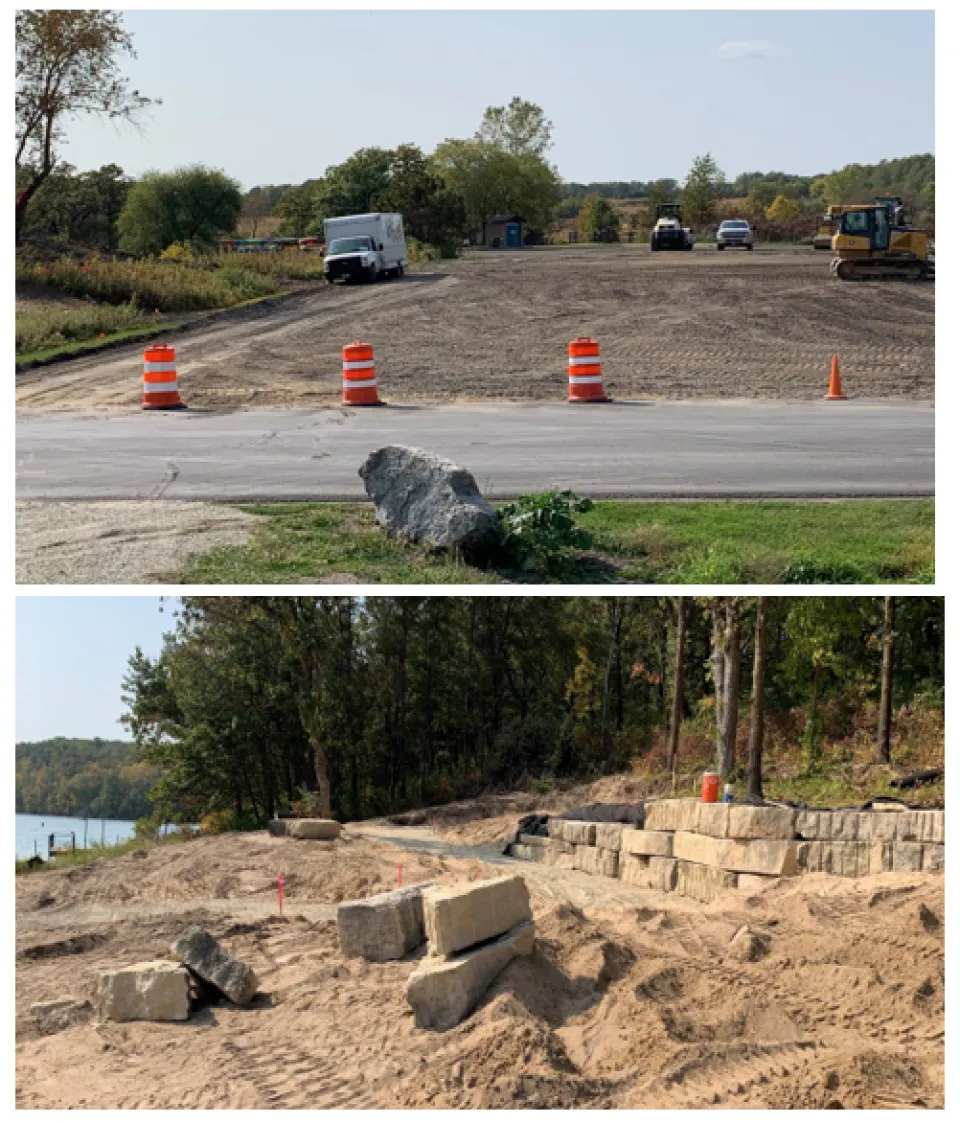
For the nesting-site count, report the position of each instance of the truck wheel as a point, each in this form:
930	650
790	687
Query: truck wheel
372	275
653	245
688	246
749	245
719	245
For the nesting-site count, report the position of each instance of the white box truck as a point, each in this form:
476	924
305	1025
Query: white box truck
364	247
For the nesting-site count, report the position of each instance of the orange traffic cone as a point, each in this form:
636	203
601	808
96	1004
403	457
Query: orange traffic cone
835	393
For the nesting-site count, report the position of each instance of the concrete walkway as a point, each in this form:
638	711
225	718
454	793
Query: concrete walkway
664	449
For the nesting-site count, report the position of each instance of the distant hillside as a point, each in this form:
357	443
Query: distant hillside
68	776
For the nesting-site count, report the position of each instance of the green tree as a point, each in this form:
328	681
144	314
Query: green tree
845	186
596	214
67	66
491	181
256	207
929	203
782	209
295	209
352	187
520	128
194	204
431	212
701	189
82	209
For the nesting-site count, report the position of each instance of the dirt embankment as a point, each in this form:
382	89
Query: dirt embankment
496	327
633	1005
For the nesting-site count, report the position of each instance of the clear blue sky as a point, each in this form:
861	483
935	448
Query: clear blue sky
71	659
276	97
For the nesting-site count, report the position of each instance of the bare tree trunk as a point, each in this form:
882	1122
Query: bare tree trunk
726	665
755	772
677	714
886	683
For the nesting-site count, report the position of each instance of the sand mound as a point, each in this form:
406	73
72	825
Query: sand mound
631	1006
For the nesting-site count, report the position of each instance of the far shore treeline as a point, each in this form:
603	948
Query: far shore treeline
93	779
366	706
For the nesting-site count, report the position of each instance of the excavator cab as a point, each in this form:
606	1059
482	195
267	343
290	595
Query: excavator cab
868	246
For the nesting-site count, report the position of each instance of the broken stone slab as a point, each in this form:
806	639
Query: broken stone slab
748	946
153	991
443	992
713	819
761	822
601	863
277	827
459	916
648	843
60	1014
672	815
608	835
317	829
204	956
383	927
703	883
933	856
425	498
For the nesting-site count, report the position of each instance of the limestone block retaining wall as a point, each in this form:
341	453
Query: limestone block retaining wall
700	849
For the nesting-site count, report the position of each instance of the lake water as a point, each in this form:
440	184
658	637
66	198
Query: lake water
35	830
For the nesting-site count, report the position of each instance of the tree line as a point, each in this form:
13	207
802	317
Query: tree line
67	65
83	778
363	706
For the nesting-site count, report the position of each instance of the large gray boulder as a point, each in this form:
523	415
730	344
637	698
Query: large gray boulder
383	927
199	951
425	498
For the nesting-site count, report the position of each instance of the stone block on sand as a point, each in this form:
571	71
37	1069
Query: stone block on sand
690	847
761	822
277	827
383	927
758	855
703	883
459	916
648	843
319	829
60	1014
601	863
199	951
443	992
154	991
933	857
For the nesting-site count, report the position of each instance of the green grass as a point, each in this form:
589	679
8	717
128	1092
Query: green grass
303	541
841	542
47	329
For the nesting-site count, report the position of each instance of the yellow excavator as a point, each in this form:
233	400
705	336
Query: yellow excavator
875	242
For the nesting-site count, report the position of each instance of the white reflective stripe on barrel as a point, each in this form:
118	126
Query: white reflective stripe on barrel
159	387
151	367
360	384
363	364
584	361
580	379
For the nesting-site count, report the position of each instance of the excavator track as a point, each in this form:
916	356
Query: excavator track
881	271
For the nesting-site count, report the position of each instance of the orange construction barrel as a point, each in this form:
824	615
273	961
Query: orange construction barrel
711	787
359	375
160	389
584	372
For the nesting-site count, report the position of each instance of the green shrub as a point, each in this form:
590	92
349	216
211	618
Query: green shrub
811	572
538	531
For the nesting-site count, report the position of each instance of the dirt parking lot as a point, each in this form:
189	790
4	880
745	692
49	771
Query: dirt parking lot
496	326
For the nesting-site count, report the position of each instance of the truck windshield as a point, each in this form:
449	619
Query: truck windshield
348	245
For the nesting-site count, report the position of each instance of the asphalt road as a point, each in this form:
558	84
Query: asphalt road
736	449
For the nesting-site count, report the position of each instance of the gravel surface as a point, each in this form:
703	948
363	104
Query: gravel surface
128	543
496	326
